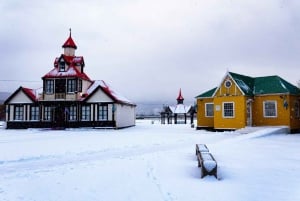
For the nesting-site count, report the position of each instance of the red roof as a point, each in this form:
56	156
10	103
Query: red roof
70	60
30	93
180	97
108	91
70	72
69	43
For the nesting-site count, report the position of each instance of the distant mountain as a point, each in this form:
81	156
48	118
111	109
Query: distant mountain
4	96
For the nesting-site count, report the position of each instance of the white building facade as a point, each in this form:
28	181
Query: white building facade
69	98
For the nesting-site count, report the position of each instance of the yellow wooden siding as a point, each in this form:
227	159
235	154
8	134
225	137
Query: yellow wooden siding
283	114
224	91
239	120
294	112
202	120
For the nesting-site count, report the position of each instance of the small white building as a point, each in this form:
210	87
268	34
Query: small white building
69	98
179	112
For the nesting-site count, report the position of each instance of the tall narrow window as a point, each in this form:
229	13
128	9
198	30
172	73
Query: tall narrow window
209	109
71	85
79	86
228	110
103	112
47	113
19	112
49	86
85	113
72	113
270	109
62	65
35	113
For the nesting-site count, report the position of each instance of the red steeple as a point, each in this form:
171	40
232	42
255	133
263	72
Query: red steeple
180	98
69	42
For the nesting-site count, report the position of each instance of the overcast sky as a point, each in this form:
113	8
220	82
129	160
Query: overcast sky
149	49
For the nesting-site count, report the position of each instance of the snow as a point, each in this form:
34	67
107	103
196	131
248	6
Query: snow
147	162
180	109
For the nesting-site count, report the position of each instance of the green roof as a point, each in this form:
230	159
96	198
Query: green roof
258	85
207	94
274	85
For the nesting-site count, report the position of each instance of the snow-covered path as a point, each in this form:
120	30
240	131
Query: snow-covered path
146	162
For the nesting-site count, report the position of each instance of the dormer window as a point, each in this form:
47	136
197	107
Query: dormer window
62	66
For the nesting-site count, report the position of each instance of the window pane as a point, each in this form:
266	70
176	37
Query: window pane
47	113
19	113
228	110
270	109
103	112
209	110
34	113
85	113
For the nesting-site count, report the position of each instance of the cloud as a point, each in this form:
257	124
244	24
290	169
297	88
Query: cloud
149	49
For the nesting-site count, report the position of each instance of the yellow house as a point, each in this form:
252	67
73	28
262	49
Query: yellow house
241	101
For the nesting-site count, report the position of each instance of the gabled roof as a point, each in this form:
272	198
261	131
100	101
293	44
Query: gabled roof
70	72
30	93
207	94
245	83
115	96
70	60
69	43
180	109
251	86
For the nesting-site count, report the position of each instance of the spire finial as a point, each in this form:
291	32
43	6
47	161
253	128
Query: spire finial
70	31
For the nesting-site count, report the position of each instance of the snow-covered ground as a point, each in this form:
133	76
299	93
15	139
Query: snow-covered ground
148	162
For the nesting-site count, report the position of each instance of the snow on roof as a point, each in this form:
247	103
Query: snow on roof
180	109
109	91
70	72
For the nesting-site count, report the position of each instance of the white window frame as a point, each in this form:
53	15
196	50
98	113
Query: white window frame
102	112
47	113
34	113
71	85
72	112
264	109
19	113
224	110
85	113
207	111
49	86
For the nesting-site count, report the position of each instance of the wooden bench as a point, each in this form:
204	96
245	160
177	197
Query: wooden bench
206	161
201	148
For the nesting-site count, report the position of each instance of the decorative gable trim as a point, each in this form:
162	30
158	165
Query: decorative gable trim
28	92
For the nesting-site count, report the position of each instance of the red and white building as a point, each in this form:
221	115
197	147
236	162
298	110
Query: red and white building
69	98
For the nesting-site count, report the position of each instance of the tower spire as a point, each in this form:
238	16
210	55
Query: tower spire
70	32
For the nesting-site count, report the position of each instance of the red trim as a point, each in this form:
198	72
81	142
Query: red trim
69	43
180	97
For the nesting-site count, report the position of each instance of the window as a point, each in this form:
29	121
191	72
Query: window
270	109
103	112
19	112
49	88
47	113
209	109
228	110
85	113
34	113
72	112
71	86
79	85
62	65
